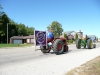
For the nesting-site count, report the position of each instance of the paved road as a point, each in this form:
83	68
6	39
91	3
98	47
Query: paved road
12	59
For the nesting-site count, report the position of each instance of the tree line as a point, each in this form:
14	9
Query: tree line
14	28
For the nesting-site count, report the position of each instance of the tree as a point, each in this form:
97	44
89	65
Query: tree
76	36
56	27
1	21
3	27
24	30
97	39
29	30
1	13
65	36
1	10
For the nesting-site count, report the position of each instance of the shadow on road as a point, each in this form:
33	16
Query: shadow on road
88	49
63	53
37	49
54	53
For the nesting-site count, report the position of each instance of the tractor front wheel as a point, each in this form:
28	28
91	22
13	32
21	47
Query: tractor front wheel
78	43
44	50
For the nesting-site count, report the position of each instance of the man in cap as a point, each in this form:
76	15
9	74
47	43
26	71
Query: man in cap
50	36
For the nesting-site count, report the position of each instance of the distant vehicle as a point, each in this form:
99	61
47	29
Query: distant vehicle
85	41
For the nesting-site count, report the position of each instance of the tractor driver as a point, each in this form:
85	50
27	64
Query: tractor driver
50	36
80	34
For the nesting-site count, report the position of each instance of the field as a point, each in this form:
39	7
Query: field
90	68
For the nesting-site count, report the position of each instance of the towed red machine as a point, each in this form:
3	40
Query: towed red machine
58	45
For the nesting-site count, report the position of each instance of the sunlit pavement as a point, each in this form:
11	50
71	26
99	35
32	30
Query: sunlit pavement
27	61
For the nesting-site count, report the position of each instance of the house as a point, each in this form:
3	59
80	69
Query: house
22	39
98	39
70	34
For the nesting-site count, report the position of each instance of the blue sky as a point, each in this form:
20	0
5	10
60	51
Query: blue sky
72	14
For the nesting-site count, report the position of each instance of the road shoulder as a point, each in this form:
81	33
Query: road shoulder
92	67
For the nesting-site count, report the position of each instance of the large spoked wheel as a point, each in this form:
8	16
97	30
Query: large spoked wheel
58	46
44	50
78	43
89	44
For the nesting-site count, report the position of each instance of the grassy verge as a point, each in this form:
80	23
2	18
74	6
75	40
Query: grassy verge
14	45
90	68
71	43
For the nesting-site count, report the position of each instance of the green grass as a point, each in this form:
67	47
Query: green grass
14	45
71	43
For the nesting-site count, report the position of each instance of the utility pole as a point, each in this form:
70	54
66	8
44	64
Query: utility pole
7	33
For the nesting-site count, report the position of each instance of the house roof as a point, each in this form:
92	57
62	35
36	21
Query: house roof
23	37
68	32
91	35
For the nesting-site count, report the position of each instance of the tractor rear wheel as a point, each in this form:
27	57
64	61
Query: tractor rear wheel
58	46
44	50
78	43
89	44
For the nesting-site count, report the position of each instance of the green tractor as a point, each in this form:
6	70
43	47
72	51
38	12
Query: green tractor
85	42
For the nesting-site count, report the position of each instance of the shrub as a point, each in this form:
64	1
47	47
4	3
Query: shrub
70	41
